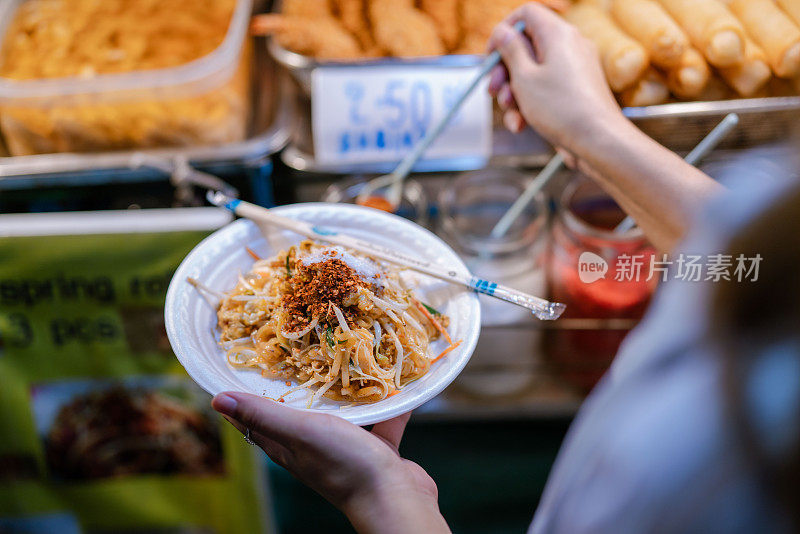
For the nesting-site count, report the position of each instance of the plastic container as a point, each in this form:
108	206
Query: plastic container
204	101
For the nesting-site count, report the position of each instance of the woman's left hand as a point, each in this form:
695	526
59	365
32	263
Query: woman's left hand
359	472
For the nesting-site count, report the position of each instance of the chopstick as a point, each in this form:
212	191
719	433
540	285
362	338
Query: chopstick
541	308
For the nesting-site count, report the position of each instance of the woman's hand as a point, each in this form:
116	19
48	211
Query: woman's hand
551	78
359	472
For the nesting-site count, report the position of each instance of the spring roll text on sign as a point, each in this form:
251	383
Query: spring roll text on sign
370	114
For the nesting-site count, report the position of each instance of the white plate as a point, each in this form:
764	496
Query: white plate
191	321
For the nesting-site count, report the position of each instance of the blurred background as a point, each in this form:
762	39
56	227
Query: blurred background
106	111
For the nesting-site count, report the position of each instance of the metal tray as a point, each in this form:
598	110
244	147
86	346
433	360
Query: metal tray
678	126
269	131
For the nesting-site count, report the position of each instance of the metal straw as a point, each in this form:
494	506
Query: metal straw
536	185
395	179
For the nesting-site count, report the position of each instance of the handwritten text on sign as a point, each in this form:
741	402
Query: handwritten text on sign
377	114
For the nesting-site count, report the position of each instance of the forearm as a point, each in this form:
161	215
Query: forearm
651	183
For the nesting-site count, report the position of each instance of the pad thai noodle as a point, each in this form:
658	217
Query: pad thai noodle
340	323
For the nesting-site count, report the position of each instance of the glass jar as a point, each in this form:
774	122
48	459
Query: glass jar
600	275
413	206
504	361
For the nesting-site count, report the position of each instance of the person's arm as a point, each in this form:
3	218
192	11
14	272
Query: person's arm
359	472
552	79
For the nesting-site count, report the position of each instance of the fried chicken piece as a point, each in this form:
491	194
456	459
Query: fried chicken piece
479	17
353	16
319	37
404	30
445	14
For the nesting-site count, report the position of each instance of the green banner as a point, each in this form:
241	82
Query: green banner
101	428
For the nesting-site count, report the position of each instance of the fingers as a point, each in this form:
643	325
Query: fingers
569	160
514	48
505	98
392	430
267	417
542	25
512	117
277	452
497	78
514	121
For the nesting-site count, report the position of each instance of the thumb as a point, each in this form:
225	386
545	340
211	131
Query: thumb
514	47
265	416
392	430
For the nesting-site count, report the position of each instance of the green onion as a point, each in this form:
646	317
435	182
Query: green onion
329	336
288	270
430	309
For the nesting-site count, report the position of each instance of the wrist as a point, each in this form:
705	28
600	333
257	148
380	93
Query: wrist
390	506
600	132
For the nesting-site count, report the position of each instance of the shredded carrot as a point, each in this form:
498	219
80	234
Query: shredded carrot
432	319
393	393
446	351
252	253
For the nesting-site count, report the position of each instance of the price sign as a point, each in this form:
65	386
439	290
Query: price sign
377	114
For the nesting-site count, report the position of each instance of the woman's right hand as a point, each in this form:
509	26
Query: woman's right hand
552	79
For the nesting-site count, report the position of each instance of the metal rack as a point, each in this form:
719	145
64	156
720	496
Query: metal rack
678	126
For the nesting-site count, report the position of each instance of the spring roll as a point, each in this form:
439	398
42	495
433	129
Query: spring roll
605	5
777	87
716	89
712	29
773	31
752	74
647	22
650	90
792	8
689	78
624	60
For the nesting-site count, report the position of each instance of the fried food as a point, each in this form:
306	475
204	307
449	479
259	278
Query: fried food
310	9
624	60
647	22
320	37
479	17
650	90
353	15
712	28
690	76
752	74
716	89
404	30
773	31
445	14
50	39
792	8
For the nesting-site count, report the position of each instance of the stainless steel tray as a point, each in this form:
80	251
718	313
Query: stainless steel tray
678	126
681	126
269	132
